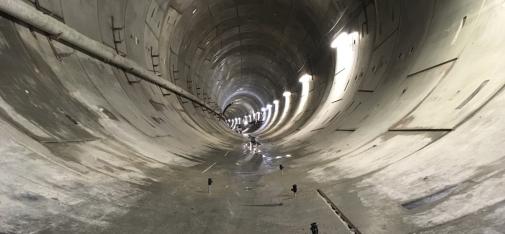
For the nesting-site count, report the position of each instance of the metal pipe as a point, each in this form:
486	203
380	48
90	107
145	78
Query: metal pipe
27	14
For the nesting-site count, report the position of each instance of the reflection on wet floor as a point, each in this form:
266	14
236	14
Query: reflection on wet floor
222	197
261	158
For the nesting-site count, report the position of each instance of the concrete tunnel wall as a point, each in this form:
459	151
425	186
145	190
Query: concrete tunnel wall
405	138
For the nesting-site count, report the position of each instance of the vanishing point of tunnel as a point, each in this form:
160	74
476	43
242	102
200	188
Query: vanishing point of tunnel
252	116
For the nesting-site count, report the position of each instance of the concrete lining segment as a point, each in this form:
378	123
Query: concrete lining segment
61	32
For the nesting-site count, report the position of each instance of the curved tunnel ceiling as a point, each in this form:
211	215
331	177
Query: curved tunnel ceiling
255	48
386	115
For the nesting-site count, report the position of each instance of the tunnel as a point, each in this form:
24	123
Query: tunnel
252	116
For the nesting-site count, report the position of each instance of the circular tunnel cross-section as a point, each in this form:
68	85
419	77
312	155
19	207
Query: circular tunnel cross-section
252	116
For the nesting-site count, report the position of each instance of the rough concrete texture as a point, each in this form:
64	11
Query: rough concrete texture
401	127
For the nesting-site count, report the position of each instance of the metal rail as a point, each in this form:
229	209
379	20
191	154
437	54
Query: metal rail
27	14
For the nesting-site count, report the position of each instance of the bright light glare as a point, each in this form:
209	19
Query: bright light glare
345	56
305	80
267	116
264	113
341	39
275	115
346	45
287	104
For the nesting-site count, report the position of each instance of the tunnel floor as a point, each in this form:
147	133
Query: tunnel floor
249	195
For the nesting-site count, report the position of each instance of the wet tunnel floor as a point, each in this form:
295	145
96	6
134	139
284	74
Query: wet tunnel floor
249	195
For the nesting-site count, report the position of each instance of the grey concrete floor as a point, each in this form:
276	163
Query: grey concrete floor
251	197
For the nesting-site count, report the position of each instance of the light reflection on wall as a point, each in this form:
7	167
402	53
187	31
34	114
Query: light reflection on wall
306	81
275	115
346	46
287	104
263	113
267	118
